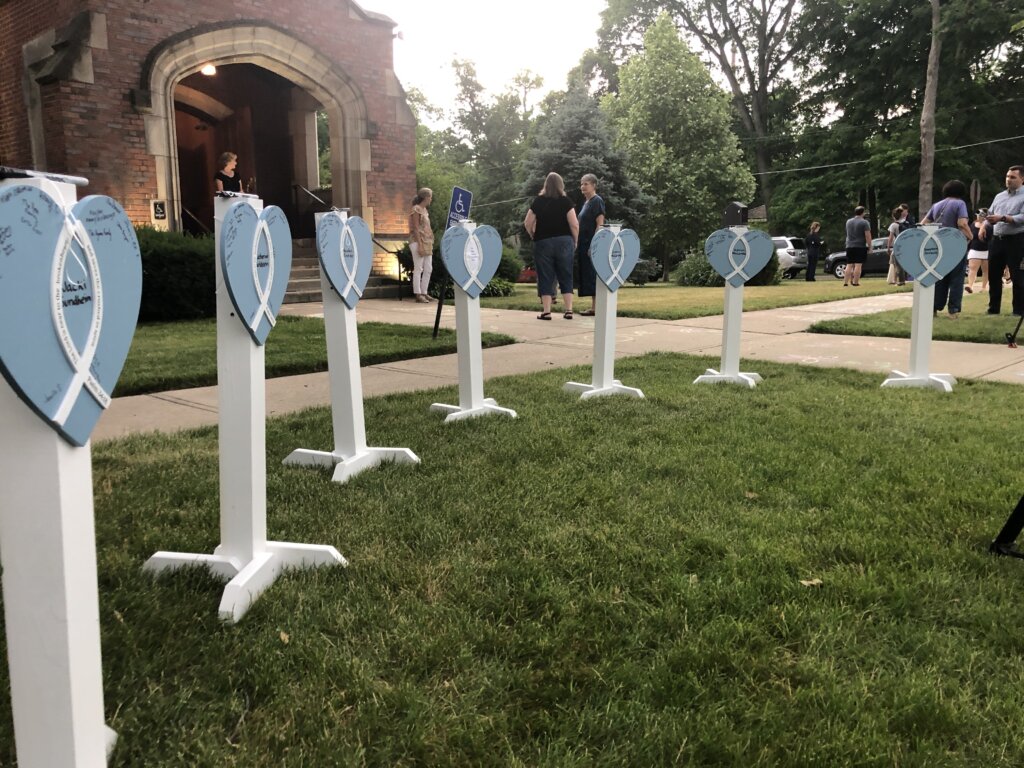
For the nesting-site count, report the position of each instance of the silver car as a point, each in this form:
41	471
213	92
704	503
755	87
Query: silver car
792	252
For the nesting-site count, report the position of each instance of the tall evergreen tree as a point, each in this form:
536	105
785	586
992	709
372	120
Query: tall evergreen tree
673	122
573	138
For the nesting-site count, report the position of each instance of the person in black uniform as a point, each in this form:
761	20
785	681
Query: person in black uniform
813	241
226	179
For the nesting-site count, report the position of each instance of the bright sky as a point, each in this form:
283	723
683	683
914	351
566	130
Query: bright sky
500	38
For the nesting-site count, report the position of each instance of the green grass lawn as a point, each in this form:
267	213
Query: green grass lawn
663	301
791	575
166	356
972	325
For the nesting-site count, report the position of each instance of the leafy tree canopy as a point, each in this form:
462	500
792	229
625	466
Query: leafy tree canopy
673	123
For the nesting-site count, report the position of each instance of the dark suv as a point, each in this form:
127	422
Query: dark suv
876	263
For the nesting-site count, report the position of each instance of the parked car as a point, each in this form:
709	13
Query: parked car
876	263
792	252
527	275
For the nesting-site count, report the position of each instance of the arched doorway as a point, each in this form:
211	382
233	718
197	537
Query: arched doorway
268	87
268	121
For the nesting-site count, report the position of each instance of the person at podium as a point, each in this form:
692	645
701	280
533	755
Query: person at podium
227	179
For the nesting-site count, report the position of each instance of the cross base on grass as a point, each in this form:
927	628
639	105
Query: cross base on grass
711	376
941	381
248	581
346	467
487	407
593	390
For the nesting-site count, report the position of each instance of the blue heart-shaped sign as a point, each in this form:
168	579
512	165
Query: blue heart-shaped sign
346	254
70	287
256	258
928	253
614	256
738	254
471	259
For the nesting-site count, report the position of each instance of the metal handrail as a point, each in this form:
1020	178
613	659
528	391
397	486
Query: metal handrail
191	215
378	243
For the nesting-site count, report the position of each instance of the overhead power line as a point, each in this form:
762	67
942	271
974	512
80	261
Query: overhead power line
858	162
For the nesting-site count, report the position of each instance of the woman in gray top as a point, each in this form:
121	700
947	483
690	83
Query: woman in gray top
858	241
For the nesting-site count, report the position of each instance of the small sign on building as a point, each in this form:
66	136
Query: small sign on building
159	210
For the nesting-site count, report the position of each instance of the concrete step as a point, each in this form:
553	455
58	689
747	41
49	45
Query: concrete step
303	297
304	283
303	289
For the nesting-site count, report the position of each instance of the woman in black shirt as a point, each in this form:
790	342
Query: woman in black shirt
552	224
226	180
977	255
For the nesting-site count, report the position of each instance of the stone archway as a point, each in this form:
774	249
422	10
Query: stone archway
275	50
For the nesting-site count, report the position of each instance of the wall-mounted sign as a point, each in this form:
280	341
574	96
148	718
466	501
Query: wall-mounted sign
159	208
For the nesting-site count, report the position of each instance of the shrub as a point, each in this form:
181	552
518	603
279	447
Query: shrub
178	276
511	265
644	271
508	270
499	286
696	270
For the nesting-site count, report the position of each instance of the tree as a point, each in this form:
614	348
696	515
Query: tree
573	138
673	123
749	43
494	132
931	88
863	69
442	161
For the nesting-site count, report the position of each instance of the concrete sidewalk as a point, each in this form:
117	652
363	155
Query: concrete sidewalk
773	334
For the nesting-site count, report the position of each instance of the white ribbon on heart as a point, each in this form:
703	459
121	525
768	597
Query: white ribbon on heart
616	274
929	269
73	231
737	269
262	295
350	275
473	271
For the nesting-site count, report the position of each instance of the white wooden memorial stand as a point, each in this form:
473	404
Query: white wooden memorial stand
920	346
51	602
350	455
244	556
472	402
732	321
603	378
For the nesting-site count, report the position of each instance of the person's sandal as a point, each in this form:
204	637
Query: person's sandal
544	316
587	313
568	315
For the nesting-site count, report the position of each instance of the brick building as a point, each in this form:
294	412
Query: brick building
114	90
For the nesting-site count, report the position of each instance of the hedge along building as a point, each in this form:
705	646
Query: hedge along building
114	90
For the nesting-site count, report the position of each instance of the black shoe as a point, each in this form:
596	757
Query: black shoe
992	312
1005	549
